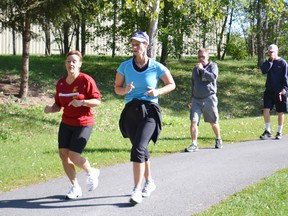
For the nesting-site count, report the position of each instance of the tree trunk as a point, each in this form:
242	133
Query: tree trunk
276	28
47	41
113	45
179	43
204	32
164	50
83	37
14	41
153	29
265	30
260	46
77	35
204	39
66	28
228	34
26	35
252	37
253	44
222	34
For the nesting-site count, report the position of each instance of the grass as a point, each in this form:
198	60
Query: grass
28	137
268	198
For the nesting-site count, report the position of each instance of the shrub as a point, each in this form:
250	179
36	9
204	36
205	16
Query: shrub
236	47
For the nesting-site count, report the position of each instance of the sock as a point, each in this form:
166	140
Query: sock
280	127
76	185
267	126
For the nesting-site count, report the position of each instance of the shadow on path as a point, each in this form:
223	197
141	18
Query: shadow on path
59	201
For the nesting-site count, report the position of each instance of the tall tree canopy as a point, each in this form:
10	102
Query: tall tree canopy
180	27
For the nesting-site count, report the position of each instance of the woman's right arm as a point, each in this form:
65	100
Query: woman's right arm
52	109
119	87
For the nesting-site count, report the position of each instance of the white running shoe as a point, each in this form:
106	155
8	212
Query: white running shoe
92	179
149	187
192	148
136	196
74	193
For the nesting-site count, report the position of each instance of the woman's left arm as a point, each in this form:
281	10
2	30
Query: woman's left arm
91	102
169	85
86	102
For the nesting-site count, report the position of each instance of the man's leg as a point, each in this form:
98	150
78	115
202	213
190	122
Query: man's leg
194	135
216	130
280	125
194	132
266	115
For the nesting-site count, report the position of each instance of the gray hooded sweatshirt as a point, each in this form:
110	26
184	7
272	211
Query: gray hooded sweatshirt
204	81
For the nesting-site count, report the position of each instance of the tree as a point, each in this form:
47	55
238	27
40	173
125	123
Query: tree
153	28
9	20
168	5
260	32
22	12
26	35
266	21
227	35
150	9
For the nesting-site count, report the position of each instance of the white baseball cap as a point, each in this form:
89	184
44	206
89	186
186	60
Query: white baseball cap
273	48
140	36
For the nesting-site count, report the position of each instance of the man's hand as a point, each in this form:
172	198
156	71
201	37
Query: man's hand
199	66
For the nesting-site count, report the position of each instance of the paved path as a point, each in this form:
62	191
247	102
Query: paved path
187	183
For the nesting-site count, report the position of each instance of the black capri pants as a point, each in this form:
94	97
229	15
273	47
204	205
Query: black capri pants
140	129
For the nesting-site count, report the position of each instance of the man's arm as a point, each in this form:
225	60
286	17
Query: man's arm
210	73
266	66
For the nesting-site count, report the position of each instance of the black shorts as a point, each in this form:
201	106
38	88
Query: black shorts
272	98
73	138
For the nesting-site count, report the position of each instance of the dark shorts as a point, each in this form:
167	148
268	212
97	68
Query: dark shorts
73	138
271	99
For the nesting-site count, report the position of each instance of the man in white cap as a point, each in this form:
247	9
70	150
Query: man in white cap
275	90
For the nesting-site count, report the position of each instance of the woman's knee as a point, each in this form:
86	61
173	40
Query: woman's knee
64	154
139	155
74	156
68	156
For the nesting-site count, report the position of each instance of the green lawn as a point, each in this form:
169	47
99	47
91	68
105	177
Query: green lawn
28	137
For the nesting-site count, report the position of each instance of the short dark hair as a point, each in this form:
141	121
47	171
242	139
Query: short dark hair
203	50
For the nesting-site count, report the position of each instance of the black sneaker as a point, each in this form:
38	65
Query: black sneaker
266	135
278	136
218	144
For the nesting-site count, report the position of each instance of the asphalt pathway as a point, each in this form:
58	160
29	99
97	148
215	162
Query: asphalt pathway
187	183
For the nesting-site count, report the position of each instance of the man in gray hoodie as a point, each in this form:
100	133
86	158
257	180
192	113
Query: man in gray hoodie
203	99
